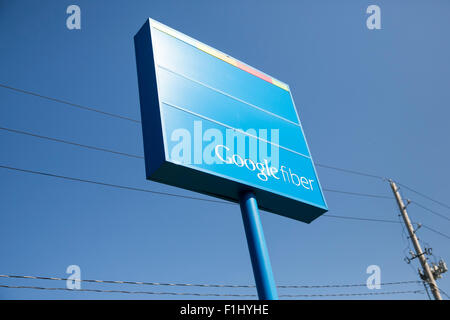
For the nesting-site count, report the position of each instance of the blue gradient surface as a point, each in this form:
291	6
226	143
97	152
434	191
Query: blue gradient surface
187	94
191	62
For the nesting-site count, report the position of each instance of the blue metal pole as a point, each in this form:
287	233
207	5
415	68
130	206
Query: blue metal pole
262	270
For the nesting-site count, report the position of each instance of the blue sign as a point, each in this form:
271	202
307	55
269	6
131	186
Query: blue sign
217	126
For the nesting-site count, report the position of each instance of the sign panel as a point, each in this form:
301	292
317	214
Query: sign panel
217	126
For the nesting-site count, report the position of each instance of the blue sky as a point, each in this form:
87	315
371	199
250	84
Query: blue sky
369	100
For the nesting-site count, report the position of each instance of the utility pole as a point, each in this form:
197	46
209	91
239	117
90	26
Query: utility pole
429	277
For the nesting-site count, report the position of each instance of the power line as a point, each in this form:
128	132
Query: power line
71	143
131	292
345	285
386	221
109	184
350	294
445	294
435	231
351	171
359	194
131	282
432	211
426	290
361	219
79	106
204	285
424	195
125	187
213	294
176	195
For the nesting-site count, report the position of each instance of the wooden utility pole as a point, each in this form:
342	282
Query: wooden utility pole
412	235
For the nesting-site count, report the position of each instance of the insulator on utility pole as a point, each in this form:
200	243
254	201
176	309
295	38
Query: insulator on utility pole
427	275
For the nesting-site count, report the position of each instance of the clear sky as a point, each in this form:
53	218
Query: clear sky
374	101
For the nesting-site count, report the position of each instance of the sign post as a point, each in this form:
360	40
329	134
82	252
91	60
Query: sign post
262	270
